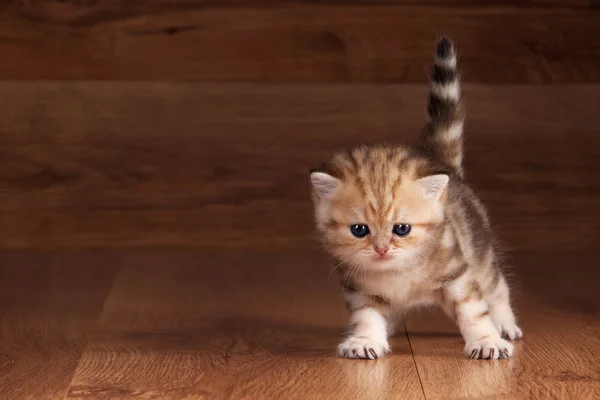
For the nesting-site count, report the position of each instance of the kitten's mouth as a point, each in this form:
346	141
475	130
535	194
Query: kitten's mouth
382	258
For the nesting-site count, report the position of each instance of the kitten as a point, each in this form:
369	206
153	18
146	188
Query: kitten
406	230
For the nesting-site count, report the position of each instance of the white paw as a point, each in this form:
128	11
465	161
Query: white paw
363	348
509	330
491	349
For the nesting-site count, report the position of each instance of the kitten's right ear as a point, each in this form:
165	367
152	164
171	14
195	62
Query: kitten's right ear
324	184
434	185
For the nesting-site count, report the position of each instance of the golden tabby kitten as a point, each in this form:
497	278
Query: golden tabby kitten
406	230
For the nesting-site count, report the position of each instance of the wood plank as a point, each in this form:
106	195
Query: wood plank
301	43
78	8
231	325
49	305
110	164
557	359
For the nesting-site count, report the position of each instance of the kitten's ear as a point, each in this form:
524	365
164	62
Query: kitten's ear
324	184
433	186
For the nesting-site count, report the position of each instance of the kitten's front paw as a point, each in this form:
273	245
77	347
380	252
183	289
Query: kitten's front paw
490	349
363	348
510	331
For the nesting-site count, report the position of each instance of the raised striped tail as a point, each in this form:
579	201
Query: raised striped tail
443	135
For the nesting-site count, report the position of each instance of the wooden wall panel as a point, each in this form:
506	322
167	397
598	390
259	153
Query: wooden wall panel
261	42
166	164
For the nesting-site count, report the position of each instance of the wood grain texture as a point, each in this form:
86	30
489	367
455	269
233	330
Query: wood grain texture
559	312
545	41
204	325
235	325
164	164
49	304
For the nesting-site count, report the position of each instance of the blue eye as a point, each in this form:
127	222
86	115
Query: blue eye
402	229
359	230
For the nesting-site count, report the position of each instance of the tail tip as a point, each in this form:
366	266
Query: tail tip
444	48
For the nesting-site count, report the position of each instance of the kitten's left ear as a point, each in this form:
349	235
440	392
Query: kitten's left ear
324	184
433	186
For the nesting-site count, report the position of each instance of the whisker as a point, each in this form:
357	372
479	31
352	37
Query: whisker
334	268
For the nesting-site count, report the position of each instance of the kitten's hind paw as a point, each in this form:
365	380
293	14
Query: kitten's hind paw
490	349
363	348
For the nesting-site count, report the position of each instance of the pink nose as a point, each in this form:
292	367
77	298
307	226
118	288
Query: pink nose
381	250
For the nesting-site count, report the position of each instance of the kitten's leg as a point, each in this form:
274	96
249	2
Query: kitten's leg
498	297
392	323
367	338
472	314
446	305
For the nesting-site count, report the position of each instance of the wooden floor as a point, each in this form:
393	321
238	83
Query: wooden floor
165	325
156	235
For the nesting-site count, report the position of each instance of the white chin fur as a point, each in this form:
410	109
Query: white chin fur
392	263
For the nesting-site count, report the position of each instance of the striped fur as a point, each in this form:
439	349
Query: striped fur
443	134
448	257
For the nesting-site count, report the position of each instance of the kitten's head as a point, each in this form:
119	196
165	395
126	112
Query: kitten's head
377	207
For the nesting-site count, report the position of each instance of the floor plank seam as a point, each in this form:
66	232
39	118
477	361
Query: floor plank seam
90	337
83	348
412	353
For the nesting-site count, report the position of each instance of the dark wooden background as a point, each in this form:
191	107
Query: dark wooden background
193	123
